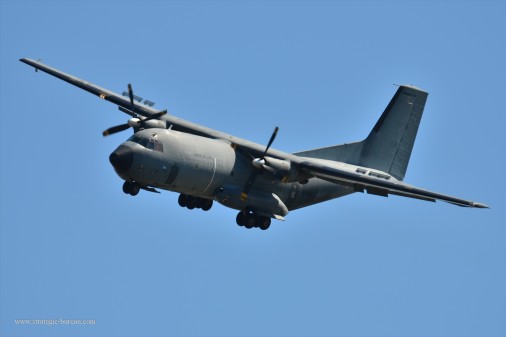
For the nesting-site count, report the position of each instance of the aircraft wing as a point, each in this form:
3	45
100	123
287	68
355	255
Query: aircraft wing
379	186
176	123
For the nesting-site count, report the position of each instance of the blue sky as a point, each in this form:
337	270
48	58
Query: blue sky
73	246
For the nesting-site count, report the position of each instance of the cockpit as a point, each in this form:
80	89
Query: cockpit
149	142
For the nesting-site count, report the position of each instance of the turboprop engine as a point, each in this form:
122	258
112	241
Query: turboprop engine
281	168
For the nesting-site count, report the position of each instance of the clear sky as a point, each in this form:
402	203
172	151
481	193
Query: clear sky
73	246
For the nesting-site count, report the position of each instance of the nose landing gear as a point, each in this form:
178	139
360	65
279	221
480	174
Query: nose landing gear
250	220
131	187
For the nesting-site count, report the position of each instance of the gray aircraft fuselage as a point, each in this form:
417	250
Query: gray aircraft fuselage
212	169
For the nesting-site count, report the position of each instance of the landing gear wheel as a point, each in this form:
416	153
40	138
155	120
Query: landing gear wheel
250	221
134	189
198	202
127	187
264	223
130	187
191	202
206	205
182	200
241	219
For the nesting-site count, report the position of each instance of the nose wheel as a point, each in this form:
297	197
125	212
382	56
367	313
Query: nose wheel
131	187
250	220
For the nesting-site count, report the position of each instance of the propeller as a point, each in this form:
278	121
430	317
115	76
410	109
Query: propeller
258	163
131	95
135	121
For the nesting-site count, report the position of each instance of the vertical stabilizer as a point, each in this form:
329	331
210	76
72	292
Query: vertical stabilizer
388	147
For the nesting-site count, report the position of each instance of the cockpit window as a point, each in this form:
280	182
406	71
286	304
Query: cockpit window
151	144
158	147
155	145
141	141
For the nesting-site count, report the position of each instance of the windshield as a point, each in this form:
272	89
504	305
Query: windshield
151	143
139	140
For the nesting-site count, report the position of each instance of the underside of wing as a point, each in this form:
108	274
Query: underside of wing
379	186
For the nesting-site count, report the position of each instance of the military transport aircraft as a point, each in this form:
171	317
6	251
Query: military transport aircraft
203	165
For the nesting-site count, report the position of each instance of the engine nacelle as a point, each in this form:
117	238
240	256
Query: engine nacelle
284	169
154	123
136	123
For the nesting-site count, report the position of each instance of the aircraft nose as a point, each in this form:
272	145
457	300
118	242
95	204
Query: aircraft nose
122	158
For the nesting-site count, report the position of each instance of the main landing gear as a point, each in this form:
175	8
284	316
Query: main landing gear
192	202
131	187
250	220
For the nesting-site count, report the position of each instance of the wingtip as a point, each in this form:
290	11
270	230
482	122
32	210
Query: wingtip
480	205
28	61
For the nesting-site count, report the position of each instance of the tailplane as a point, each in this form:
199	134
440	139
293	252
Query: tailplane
389	144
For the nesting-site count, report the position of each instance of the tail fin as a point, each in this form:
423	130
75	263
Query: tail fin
388	147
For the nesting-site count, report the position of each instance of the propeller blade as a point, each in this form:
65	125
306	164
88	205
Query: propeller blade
131	95
137	122
258	164
270	141
115	129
